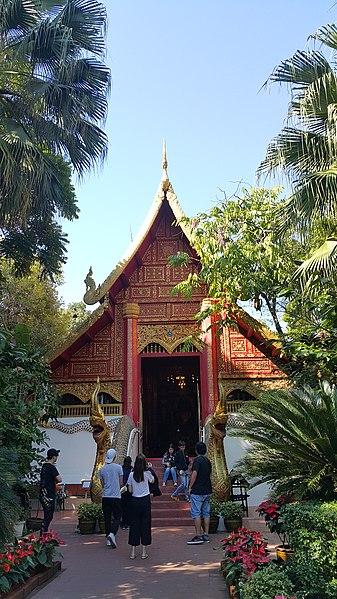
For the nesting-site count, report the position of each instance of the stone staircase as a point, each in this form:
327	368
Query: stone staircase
165	511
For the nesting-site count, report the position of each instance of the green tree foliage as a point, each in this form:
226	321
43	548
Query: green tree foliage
306	149
239	256
26	396
35	302
293	438
53	99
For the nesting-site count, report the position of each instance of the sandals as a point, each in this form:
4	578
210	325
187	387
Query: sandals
132	556
145	556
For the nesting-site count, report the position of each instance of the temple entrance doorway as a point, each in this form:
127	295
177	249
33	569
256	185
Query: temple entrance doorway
171	402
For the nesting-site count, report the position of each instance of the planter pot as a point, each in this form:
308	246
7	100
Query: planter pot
86	527
34	524
284	552
213	524
101	527
20	591
18	529
233	524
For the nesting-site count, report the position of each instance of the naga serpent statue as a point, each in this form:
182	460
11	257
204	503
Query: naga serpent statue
216	453
101	434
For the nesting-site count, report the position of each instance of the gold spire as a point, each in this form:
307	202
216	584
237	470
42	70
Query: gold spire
165	178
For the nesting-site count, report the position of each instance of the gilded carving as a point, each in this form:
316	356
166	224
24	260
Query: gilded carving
85	390
131	310
254	388
169	335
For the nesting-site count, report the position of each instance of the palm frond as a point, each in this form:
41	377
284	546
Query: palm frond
321	264
301	69
293	440
327	35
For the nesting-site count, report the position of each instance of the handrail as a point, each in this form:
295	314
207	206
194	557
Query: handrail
74	411
234	406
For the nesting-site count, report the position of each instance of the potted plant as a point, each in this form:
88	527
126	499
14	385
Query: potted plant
214	515
20	524
270	510
245	551
87	517
232	514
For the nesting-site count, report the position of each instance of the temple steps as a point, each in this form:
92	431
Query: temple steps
165	511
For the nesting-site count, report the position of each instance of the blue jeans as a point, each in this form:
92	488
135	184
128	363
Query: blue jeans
183	486
167	474
200	506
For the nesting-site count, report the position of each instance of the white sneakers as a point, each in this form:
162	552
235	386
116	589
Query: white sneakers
111	541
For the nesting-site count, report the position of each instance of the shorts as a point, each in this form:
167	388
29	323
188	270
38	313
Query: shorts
200	506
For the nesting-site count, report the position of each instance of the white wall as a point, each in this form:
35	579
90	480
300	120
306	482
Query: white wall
77	452
234	450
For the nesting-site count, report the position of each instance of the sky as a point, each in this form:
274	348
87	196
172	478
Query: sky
189	71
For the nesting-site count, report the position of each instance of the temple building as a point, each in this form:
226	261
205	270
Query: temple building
134	341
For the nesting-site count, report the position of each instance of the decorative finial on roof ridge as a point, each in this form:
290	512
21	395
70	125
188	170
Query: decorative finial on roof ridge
165	178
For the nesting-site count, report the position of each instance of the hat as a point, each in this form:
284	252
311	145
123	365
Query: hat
52	453
110	456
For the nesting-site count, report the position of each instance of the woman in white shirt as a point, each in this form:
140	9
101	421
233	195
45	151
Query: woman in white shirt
140	506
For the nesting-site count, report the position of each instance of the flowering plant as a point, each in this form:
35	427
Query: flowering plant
19	560
271	511
245	551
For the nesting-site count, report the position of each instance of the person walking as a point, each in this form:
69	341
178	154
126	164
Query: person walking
140	506
49	478
182	463
169	466
200	489
126	495
111	477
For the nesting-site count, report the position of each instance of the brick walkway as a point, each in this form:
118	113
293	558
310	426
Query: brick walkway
174	569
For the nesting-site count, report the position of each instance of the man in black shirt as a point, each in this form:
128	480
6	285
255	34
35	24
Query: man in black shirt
200	494
48	480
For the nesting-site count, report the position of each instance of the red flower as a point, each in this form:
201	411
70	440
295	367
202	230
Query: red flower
6	568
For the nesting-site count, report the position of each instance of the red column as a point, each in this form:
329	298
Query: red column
209	364
131	372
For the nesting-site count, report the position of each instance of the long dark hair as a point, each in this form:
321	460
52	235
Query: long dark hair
139	468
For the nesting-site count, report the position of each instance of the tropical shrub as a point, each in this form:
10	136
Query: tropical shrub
215	506
89	511
312	531
293	437
266	584
230	510
306	575
245	551
19	560
26	396
9	503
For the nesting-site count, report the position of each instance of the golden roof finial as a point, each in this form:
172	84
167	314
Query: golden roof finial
165	178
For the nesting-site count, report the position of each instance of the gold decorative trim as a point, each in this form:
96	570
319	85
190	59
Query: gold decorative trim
82	328
168	336
85	390
254	388
131	310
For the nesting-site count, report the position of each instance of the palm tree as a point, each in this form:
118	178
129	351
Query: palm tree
53	99
306	149
293	441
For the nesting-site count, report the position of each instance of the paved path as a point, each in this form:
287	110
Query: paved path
173	570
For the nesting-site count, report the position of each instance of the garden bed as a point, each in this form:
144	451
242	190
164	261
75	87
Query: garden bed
37	579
